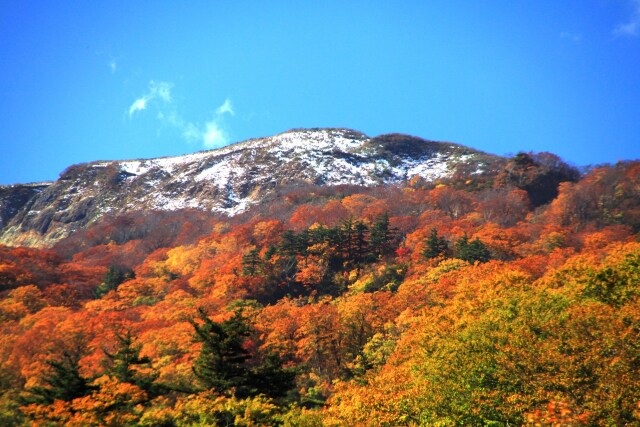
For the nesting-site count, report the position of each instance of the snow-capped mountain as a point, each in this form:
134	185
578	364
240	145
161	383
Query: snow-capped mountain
228	180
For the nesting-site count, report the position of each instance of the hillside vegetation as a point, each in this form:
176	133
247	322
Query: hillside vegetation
502	299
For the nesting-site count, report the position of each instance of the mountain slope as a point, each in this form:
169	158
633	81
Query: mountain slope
227	180
15	197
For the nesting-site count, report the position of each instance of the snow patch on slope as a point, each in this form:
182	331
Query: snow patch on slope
327	156
218	173
430	169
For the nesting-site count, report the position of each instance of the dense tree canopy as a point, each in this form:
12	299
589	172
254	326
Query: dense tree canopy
509	301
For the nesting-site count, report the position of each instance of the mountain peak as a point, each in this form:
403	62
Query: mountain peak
227	180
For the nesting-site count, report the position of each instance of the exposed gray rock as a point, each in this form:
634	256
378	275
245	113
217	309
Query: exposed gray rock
13	198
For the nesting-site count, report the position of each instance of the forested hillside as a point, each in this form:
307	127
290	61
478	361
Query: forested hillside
499	299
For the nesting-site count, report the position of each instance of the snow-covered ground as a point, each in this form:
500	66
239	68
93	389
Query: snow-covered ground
224	178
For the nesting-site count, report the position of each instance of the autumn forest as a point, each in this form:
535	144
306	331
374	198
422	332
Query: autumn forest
498	299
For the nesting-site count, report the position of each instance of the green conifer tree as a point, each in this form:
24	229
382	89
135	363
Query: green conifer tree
435	245
251	263
221	364
114	276
63	382
125	362
472	251
224	365
360	242
381	236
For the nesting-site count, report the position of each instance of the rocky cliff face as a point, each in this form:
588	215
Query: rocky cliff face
227	180
14	197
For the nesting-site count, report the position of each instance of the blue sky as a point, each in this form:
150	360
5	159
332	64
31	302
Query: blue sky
83	81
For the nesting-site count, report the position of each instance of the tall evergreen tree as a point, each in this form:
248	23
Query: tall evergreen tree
435	245
478	251
381	236
302	242
360	241
124	363
288	244
224	365
462	245
63	382
270	378
346	242
251	263
472	251
114	276
221	364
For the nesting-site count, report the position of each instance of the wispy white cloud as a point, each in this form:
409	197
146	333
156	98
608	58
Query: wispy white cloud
138	105
113	66
225	108
161	90
214	136
157	91
211	134
632	27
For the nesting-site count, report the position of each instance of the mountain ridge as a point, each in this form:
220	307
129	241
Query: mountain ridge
228	180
